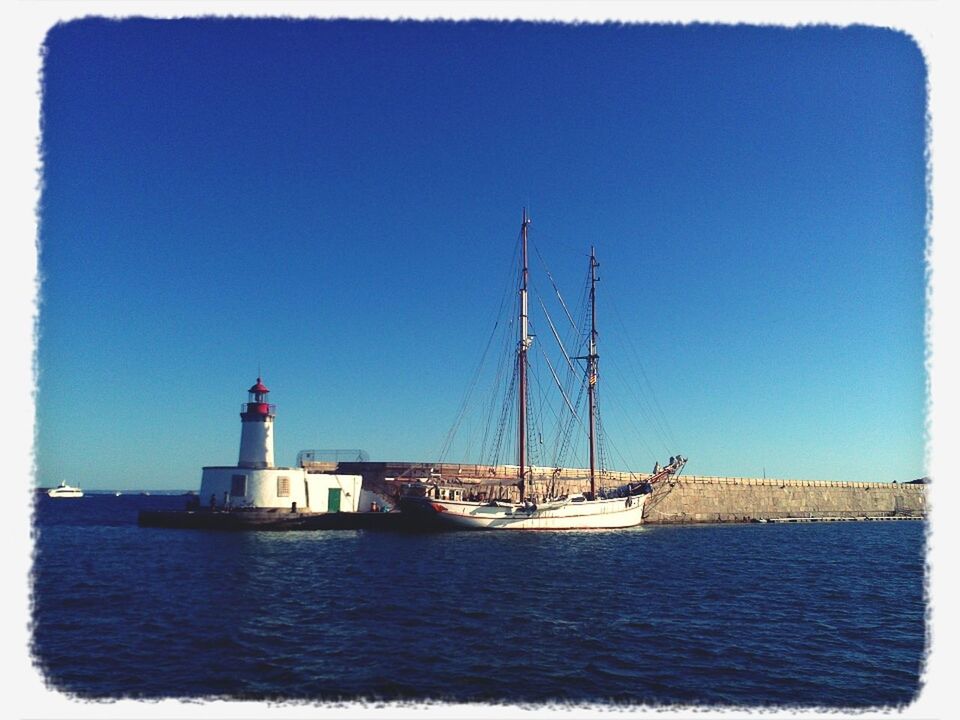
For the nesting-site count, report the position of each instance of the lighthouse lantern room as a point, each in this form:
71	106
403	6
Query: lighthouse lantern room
256	438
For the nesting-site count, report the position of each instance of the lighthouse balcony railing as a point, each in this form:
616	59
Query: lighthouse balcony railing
267	408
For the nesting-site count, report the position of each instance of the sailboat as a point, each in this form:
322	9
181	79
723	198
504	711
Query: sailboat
614	508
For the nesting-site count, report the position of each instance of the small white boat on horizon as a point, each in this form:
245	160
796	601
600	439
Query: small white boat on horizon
65	491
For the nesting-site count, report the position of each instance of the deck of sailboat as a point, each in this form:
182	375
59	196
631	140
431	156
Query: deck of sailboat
471	473
576	513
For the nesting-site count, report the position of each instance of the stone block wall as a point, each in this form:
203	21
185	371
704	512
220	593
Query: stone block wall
688	499
693	499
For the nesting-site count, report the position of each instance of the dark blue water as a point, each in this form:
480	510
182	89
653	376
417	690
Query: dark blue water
817	615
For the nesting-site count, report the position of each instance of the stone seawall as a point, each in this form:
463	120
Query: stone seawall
691	499
687	499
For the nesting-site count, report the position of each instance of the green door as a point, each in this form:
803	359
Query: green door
333	500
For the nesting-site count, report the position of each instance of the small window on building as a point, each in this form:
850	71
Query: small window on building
283	487
238	485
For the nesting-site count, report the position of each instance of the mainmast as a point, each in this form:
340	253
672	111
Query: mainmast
522	361
592	358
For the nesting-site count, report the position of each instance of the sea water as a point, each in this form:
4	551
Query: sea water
762	615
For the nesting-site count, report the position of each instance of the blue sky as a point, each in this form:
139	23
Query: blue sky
338	203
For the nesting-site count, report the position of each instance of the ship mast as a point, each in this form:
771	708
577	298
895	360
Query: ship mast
522	361
592	359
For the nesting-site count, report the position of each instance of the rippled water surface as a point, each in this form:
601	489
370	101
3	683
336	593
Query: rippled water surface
821	614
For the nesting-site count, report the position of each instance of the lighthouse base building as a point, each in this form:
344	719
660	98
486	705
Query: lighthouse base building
284	487
256	483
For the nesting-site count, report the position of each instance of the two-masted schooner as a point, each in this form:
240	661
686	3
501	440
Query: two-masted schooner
613	508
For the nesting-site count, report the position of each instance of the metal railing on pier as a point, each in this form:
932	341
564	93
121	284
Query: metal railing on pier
307	458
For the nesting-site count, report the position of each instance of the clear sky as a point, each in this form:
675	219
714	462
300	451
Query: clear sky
338	204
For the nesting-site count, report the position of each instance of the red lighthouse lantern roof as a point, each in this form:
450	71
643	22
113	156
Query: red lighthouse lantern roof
259	388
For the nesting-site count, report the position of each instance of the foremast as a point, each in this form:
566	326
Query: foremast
523	346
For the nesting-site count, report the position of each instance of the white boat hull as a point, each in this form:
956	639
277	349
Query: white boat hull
609	514
65	492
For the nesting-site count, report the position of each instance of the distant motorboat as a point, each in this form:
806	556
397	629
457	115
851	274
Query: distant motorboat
65	491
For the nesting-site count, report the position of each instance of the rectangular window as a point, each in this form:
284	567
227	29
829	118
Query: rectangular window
238	485
283	487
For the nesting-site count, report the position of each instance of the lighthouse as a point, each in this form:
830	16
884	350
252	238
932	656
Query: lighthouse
256	482
256	436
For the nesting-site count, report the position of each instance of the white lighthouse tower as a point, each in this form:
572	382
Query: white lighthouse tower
256	482
256	437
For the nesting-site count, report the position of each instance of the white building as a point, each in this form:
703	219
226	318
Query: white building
254	482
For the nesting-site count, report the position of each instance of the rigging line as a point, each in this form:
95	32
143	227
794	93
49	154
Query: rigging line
553	282
578	338
576	419
500	393
630	420
563	432
544	397
555	335
493	402
577	378
602	452
626	465
448	441
580	331
643	371
553	240
537	426
642	401
557	380
492	422
572	422
642	404
584	332
505	418
506	352
653	413
502	421
604	443
466	398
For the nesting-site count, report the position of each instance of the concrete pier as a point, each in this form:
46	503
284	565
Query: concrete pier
269	519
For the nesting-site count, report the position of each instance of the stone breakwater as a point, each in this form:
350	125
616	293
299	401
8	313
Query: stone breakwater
693	499
686	499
